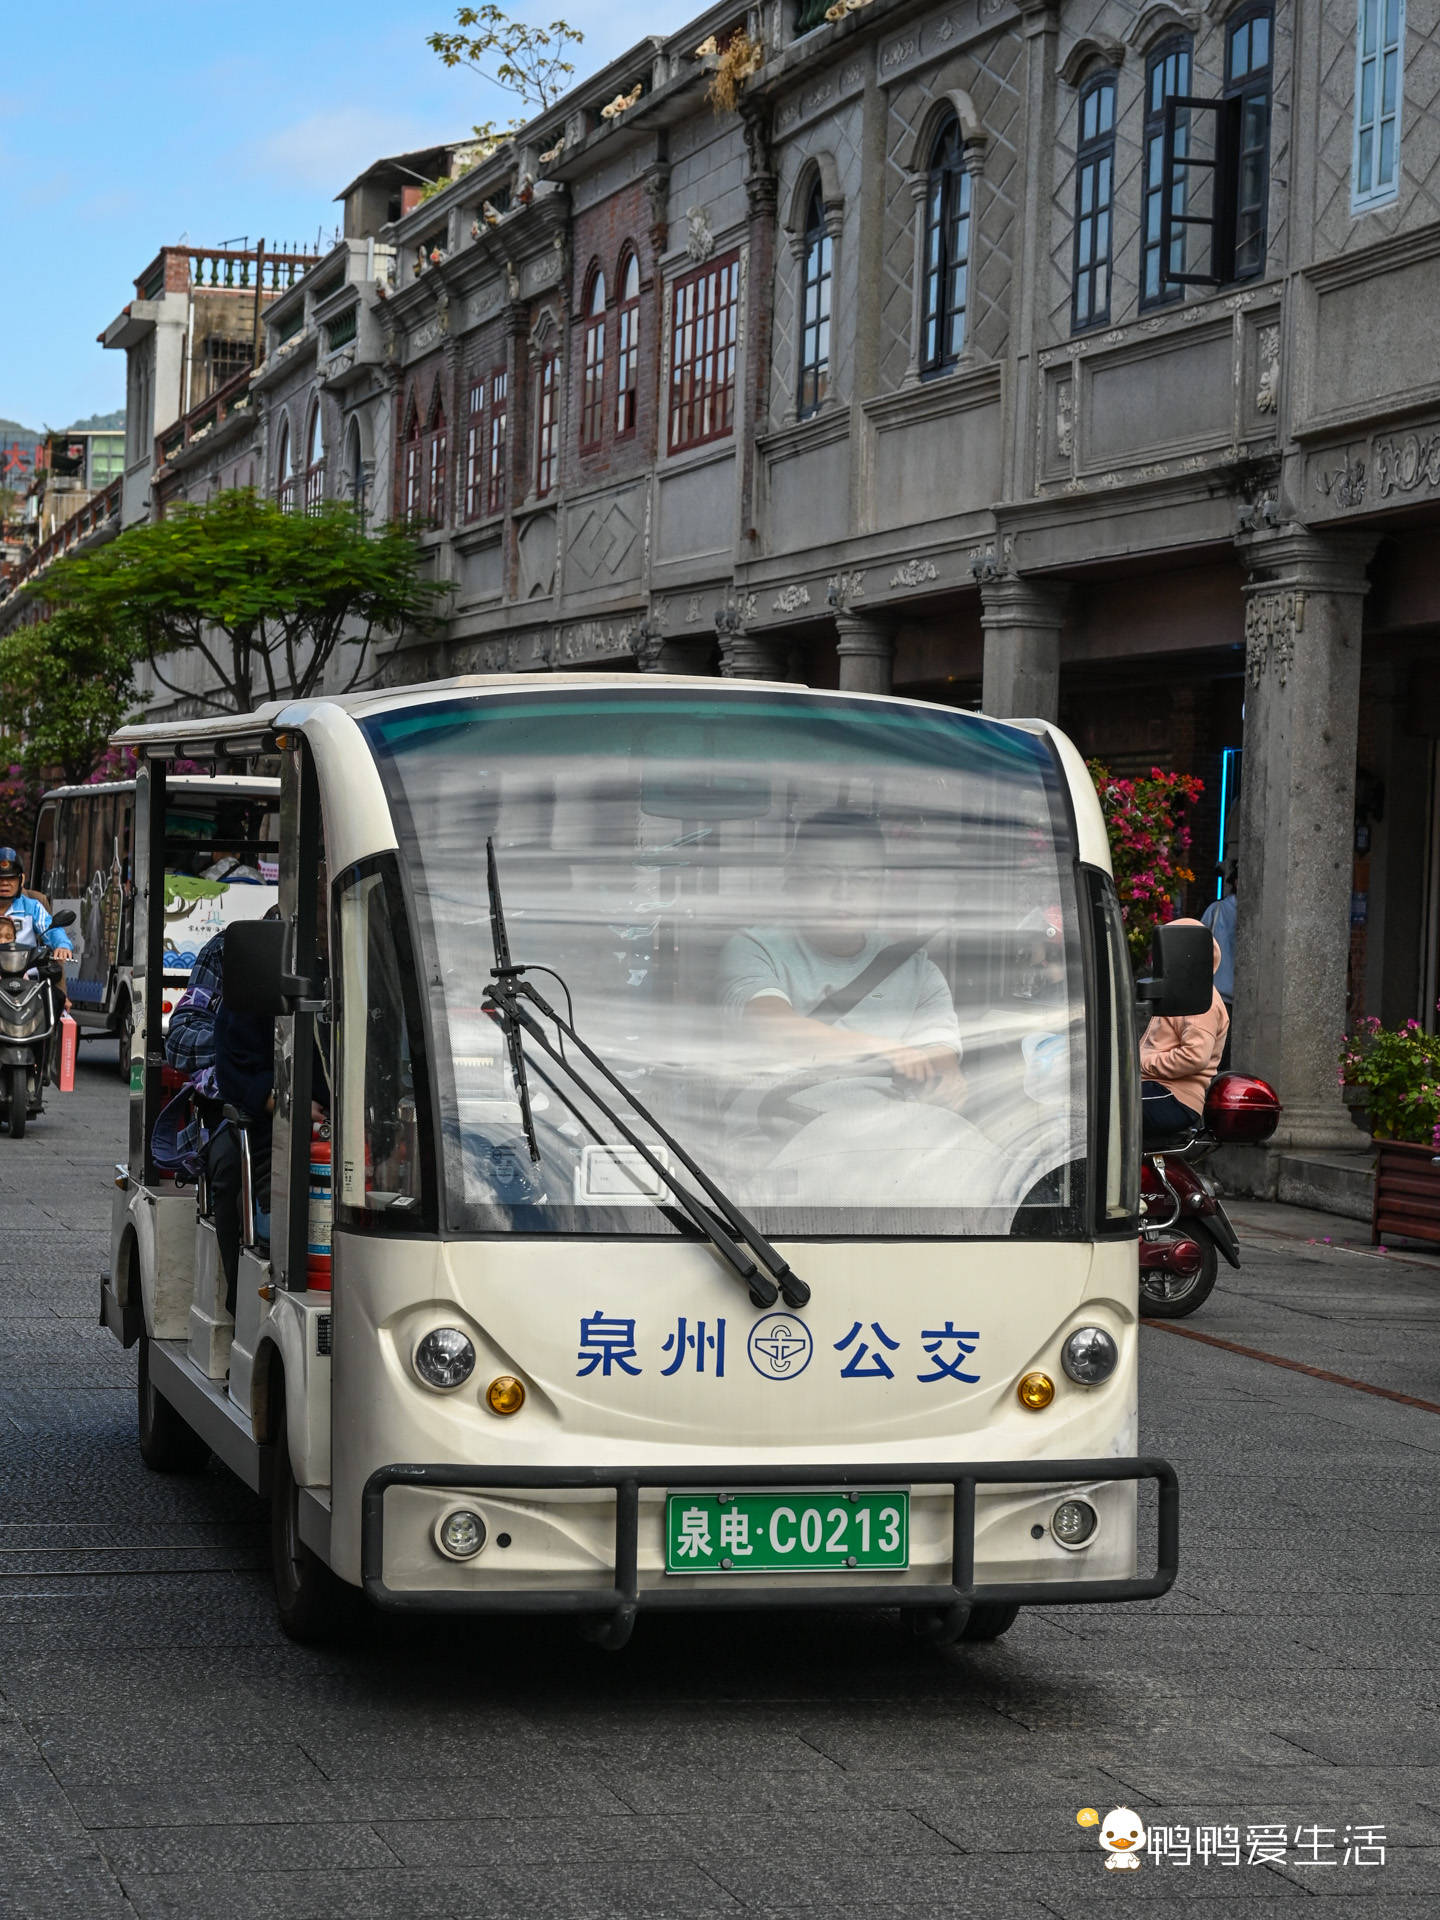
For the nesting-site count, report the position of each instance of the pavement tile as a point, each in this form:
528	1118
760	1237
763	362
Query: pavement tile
270	1847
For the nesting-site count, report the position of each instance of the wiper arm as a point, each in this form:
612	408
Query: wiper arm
732	1231
504	969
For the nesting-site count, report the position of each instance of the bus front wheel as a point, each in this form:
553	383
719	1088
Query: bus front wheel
167	1445
308	1596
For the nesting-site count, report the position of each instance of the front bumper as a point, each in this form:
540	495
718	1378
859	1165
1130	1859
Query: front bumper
622	1601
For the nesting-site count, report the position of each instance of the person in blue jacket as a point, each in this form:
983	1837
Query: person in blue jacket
32	921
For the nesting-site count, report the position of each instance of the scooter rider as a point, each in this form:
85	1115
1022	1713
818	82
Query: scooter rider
32	921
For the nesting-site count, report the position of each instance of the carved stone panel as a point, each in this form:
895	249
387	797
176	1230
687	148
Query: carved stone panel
605	540
536	544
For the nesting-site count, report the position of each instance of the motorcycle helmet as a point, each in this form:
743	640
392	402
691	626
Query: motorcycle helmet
12	867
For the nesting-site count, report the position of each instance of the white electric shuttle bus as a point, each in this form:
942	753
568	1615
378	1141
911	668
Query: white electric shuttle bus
734	1104
220	833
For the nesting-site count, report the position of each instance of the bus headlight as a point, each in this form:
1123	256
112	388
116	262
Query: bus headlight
1089	1356
445	1358
1074	1522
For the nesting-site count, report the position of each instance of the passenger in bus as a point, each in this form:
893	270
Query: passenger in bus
827	988
31	916
1178	1060
190	1039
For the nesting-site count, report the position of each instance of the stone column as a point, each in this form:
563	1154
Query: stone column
1303	603
866	648
1022	621
753	656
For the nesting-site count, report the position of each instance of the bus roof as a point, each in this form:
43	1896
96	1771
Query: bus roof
237	785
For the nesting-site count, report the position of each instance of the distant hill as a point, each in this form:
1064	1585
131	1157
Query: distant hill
97	423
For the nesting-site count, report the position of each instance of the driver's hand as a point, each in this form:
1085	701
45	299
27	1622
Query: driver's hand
931	1070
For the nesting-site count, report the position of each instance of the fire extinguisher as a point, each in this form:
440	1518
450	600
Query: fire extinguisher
318	1256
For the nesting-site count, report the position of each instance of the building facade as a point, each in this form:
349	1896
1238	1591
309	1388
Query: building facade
1072	357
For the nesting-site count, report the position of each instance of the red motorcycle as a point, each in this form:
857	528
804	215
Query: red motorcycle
1184	1228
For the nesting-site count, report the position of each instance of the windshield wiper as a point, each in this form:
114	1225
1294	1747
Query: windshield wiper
726	1227
505	970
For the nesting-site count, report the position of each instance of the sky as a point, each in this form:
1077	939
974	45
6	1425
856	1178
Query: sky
127	128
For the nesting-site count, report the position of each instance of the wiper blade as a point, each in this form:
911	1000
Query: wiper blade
731	1231
504	969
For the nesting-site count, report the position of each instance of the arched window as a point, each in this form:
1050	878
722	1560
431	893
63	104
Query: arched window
816	272
627	370
412	466
1167	72
314	477
285	470
355	469
946	264
437	444
592	396
1094	194
1248	48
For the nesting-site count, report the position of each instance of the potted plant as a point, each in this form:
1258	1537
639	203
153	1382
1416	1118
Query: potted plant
1398	1069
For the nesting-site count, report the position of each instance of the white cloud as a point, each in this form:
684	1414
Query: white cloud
326	149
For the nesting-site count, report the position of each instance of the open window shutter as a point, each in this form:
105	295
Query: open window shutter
1188	151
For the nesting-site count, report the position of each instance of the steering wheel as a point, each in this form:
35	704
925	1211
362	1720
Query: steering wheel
777	1103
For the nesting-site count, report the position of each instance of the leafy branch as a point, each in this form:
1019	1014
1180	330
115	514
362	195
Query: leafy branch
527	61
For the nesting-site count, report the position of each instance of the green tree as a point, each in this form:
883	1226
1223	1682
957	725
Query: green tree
66	684
527	61
269	602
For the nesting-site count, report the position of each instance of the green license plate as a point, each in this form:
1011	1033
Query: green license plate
786	1532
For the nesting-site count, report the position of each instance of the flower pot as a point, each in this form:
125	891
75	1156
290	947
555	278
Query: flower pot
1407	1192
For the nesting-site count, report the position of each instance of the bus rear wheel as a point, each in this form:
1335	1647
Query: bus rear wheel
167	1445
308	1597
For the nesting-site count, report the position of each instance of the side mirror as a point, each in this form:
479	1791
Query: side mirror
1183	980
254	974
66	919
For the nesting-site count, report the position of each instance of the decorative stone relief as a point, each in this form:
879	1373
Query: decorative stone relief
896	54
424	336
1065	418
914	573
1345	484
701	241
791	599
1272	621
694	610
852	75
843	588
1267	352
660	609
1405	463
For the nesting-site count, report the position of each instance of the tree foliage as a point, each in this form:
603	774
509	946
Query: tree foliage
270	603
66	684
527	61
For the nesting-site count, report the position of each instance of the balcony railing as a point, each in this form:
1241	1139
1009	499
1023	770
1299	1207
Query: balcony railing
237	270
211	412
342	330
97	512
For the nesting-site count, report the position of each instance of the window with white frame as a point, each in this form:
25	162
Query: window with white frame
1379	80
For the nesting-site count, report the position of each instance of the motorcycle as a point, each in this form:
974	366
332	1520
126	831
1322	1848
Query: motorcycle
1184	1228
29	1027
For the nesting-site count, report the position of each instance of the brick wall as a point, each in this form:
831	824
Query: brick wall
600	235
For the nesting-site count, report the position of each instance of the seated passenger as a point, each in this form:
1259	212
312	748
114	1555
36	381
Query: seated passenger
9	932
827	988
1178	1060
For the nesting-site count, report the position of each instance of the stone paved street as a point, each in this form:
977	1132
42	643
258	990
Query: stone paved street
163	1751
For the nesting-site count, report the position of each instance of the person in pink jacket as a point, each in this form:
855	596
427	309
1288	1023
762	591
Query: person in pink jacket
1178	1060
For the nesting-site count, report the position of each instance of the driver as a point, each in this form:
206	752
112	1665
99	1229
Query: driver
32	921
788	985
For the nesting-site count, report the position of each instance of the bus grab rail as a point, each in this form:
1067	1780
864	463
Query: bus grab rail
626	1597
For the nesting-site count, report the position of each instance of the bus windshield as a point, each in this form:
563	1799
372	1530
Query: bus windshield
832	945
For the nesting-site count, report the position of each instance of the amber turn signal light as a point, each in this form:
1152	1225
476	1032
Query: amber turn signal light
1036	1390
505	1394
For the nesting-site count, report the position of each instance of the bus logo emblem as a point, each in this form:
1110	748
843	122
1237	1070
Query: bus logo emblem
780	1346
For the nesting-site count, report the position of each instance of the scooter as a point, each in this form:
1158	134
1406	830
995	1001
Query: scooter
29	1027
1184	1228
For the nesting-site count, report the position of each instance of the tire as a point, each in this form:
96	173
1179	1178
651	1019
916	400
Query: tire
309	1599
123	1035
1163	1297
167	1445
989	1620
19	1101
